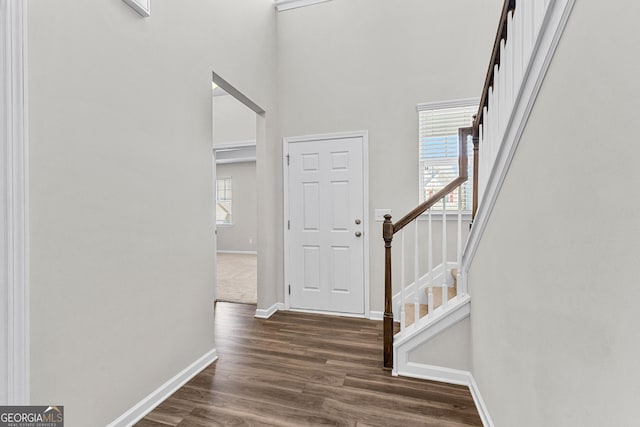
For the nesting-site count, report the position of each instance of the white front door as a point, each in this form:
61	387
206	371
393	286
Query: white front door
326	214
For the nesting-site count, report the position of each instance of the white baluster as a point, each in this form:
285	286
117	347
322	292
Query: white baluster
444	252
517	51
538	11
430	266
416	271
491	108
502	101
527	19
495	127
484	150
509	67
459	243
402	283
481	168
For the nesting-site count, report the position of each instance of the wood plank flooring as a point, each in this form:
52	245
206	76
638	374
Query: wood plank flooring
299	369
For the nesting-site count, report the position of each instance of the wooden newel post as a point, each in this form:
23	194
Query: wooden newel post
387	235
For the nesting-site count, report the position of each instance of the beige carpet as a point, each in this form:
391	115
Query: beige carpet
237	278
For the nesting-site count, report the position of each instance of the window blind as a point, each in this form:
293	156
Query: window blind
438	151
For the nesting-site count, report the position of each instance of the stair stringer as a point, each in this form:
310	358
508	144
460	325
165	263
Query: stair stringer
458	309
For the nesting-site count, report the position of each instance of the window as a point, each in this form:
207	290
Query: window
438	149
223	200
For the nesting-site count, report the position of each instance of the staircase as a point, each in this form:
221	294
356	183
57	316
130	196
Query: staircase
434	298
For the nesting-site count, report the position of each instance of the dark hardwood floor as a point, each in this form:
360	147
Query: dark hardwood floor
303	369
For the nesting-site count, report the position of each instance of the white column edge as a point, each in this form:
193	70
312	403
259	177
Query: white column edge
15	219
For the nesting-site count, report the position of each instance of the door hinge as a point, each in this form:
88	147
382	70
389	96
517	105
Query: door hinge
288	160
289	289
289	225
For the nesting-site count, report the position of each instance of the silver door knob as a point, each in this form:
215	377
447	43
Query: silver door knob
358	234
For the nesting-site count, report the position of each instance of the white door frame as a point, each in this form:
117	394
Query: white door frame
14	206
365	180
260	140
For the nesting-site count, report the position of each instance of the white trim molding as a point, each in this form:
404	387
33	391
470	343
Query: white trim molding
159	395
143	7
235	152
14	208
435	373
553	26
282	5
376	315
483	410
426	328
236	252
328	313
451	376
268	312
437	105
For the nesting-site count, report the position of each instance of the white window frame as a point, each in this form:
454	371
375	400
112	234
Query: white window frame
426	106
224	224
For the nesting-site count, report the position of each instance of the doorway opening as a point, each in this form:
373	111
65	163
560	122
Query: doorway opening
235	119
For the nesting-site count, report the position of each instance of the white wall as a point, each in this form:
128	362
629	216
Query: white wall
554	321
121	189
450	348
232	121
365	65
242	234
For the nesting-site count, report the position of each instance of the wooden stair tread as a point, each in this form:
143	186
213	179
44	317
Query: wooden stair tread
409	310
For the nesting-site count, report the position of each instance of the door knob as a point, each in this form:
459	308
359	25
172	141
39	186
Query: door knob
358	222
358	234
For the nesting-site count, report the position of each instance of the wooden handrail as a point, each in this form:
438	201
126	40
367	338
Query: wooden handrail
509	5
463	175
389	229
424	206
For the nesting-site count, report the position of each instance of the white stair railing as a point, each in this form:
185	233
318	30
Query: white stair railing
515	41
419	292
434	284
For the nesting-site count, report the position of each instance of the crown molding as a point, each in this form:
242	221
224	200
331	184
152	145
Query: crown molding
282	5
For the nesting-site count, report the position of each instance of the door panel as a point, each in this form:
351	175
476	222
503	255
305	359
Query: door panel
326	268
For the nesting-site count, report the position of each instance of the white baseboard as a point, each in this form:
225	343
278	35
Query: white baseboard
238	252
435	373
146	405
327	313
449	376
376	315
480	405
266	313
